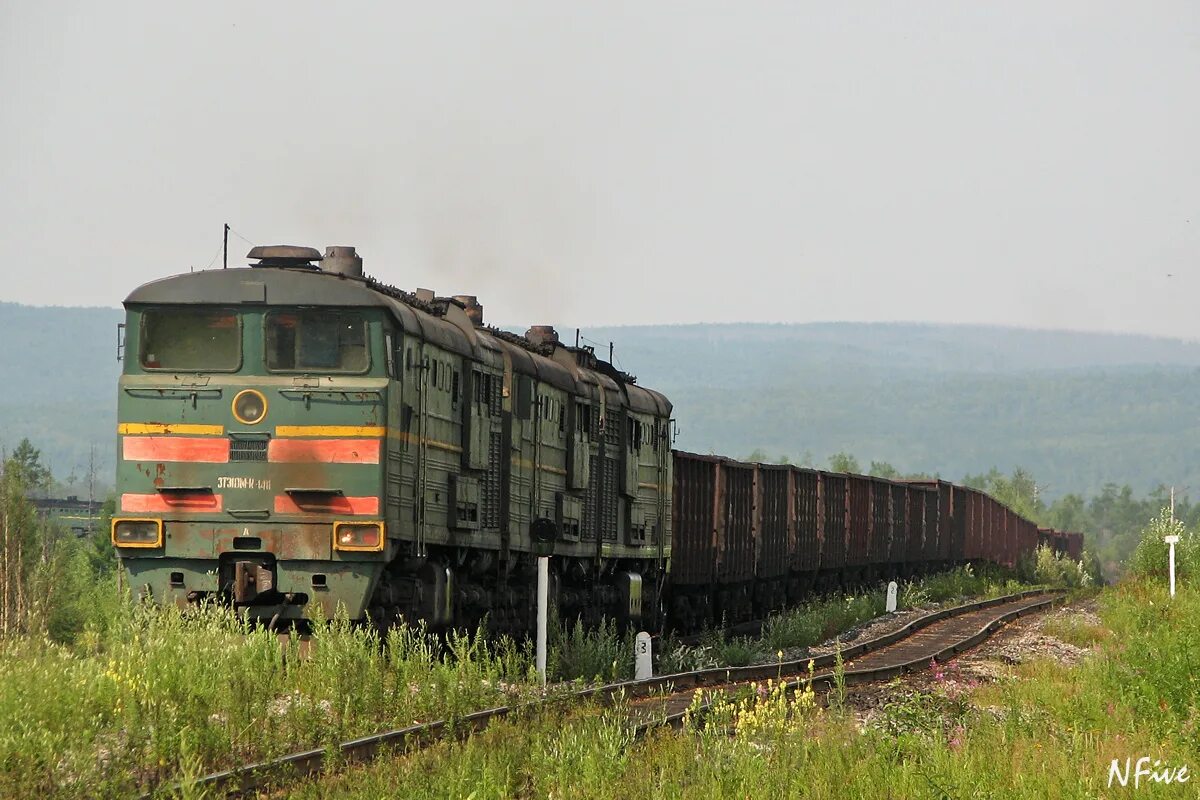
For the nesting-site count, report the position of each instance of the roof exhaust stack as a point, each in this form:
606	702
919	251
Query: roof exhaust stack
473	307
542	335
342	261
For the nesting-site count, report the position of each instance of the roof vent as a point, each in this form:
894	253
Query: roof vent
285	255
473	307
542	335
342	261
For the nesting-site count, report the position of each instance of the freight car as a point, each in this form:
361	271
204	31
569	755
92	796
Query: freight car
751	538
1063	543
299	432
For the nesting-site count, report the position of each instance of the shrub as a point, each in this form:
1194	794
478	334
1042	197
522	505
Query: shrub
1150	557
600	654
1053	569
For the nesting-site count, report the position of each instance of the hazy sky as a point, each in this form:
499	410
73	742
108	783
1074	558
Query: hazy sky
1026	163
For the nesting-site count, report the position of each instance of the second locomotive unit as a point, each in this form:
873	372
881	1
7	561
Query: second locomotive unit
297	432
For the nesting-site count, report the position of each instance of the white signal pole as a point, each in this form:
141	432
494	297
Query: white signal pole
543	598
1171	540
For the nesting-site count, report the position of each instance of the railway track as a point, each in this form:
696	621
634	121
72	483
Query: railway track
663	700
938	636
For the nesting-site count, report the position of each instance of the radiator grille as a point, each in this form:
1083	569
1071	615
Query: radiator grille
490	518
248	450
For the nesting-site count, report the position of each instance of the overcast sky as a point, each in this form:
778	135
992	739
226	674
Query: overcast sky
1024	163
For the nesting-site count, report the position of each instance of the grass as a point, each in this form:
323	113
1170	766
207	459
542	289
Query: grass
821	619
601	655
1047	731
134	703
1076	632
143	695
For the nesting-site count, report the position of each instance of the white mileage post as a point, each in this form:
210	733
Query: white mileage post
1171	540
543	598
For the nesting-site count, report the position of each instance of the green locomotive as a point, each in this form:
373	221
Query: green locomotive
295	433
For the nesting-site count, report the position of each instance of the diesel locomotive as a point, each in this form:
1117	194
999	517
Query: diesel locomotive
298	432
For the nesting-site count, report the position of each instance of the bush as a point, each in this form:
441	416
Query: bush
600	654
1150	557
1053	569
51	583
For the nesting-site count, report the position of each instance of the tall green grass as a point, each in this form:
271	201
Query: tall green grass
152	691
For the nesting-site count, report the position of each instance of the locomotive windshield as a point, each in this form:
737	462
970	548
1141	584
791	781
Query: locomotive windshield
316	340
191	339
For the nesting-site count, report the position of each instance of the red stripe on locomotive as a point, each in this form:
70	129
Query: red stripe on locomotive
175	448
171	501
324	451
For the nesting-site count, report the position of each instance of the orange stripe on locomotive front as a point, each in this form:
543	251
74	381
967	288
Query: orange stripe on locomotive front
171	501
326	451
175	449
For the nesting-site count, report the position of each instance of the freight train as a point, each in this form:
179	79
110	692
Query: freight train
298	434
751	538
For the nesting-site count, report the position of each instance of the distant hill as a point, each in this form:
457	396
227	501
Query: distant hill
60	386
1077	409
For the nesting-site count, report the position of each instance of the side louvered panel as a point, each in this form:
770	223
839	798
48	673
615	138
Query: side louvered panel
490	484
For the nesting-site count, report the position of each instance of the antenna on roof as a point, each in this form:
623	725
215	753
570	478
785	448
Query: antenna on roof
225	249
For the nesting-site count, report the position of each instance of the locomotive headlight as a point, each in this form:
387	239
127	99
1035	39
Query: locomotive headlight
360	536
249	406
137	533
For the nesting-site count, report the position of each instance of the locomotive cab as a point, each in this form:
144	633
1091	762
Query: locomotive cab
250	443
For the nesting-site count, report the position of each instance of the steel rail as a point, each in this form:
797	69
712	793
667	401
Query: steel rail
826	680
249	778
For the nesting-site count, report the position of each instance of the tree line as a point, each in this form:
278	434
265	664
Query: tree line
49	577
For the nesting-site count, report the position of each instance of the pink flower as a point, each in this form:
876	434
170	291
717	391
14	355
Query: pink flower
956	738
